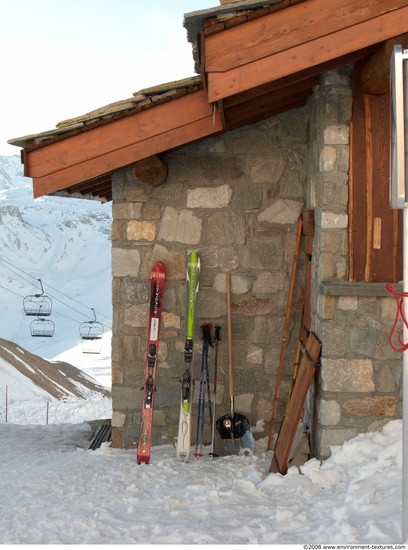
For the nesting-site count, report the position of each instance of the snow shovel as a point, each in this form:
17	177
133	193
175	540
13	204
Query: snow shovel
234	428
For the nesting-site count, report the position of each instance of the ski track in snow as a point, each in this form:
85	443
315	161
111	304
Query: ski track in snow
55	491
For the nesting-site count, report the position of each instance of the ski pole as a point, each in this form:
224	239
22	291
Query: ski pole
206	328
217	338
203	401
200	396
207	375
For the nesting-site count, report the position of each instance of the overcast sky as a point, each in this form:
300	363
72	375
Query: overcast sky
62	58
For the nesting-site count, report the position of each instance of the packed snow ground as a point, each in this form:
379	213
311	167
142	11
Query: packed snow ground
55	491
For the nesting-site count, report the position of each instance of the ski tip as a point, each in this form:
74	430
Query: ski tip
159	269
194	258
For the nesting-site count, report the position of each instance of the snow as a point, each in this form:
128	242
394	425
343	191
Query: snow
54	490
57	491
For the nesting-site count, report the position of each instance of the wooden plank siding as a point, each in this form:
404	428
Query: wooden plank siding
375	229
251	107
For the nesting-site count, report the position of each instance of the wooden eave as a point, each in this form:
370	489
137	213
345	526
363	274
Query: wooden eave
254	65
301	38
75	162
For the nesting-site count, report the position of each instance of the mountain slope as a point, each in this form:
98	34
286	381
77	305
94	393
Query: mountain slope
59	380
35	391
64	245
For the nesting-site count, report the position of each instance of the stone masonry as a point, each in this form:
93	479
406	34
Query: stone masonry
359	382
236	200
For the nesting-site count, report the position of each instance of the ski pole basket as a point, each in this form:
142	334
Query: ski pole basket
37	304
44	328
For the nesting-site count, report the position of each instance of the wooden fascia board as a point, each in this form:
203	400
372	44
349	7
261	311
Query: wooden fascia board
121	142
299	58
287	28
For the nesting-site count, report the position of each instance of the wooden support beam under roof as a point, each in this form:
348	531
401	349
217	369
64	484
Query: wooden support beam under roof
255	104
99	188
306	35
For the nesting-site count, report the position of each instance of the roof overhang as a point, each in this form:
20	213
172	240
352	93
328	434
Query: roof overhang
301	39
91	155
261	60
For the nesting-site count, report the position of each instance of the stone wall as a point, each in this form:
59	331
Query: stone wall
358	387
235	199
360	379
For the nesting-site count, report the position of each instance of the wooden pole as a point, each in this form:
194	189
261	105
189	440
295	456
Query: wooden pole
229	329
285	333
6	403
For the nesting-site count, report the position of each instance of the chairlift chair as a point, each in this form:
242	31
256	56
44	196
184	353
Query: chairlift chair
91	333
42	327
37	304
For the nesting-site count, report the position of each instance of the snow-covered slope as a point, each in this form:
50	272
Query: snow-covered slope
65	243
34	390
43	378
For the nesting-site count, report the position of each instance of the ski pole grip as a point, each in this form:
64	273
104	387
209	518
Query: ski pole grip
217	333
206	330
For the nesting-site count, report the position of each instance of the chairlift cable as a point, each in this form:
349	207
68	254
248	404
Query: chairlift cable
12	291
45	284
7	267
80	303
54	311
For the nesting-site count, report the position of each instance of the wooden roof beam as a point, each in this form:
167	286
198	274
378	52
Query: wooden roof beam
274	66
91	187
285	29
124	141
271	104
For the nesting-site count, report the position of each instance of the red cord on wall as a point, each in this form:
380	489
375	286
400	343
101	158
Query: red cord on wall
399	296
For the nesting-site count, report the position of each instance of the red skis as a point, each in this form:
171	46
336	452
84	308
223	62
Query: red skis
149	387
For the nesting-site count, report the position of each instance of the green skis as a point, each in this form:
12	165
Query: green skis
184	431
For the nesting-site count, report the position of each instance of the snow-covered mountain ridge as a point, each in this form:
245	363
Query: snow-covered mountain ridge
58	379
64	245
36	391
